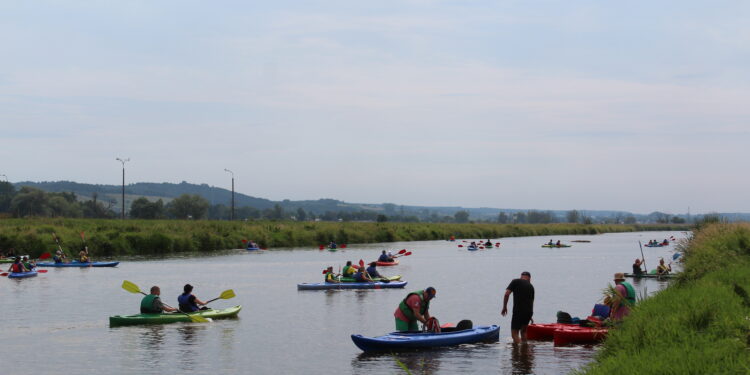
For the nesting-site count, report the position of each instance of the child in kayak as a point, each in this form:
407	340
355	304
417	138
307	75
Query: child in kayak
348	270
330	277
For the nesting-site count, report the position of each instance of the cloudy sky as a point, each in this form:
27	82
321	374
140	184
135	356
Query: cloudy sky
636	106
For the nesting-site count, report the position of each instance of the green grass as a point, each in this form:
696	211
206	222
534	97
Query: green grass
144	237
700	325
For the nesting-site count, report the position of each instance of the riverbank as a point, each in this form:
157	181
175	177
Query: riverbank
144	237
699	325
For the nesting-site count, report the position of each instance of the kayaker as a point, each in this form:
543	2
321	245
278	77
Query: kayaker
151	304
17	266
332	245
663	269
59	257
415	307
26	263
373	271
188	302
384	257
550	242
330	277
488	243
637	267
558	243
348	270
83	255
473	244
523	306
361	276
625	297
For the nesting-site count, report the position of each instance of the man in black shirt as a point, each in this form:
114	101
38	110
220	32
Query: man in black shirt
523	305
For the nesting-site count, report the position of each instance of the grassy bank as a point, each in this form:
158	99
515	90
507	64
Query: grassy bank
142	237
701	324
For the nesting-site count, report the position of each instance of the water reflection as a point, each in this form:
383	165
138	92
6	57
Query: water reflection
153	339
522	358
418	362
190	335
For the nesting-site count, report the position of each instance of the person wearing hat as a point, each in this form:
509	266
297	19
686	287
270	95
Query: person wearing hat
625	298
523	306
415	307
59	257
188	302
663	269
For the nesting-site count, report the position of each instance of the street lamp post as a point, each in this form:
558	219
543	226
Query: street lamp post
232	173
123	161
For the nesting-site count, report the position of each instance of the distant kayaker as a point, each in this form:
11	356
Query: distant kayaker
663	269
348	270
488	243
329	276
523	306
558	243
384	257
625	298
17	266
637	267
59	257
188	302
361	276
83	255
332	245
151	304
550	242
373	271
28	264
414	308
473	244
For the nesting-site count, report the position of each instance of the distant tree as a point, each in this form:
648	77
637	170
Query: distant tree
382	218
60	206
572	216
301	214
519	217
502	218
461	216
29	202
7	192
539	217
587	220
142	208
677	220
389	208
188	206
630	219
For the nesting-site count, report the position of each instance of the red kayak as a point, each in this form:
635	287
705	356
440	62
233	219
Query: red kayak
579	335
545	331
387	264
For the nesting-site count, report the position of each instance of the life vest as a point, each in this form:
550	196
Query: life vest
384	258
360	276
630	297
185	303
57	259
329	277
147	304
408	312
16	268
348	270
373	271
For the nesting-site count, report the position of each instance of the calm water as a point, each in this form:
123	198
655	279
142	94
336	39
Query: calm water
58	322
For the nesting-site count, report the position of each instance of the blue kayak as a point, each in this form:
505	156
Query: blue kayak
253	248
79	264
375	285
424	340
471	248
21	275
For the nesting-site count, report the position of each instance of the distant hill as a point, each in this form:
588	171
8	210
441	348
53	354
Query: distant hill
217	195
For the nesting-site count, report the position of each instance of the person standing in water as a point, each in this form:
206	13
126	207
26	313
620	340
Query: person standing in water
523	306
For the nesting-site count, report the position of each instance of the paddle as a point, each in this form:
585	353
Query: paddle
57	242
227	294
406	254
321	247
132	288
642	256
45	256
460	245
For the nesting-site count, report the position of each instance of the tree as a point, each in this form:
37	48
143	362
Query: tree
461	216
572	216
7	192
301	214
630	219
142	208
188	206
502	218
29	202
382	218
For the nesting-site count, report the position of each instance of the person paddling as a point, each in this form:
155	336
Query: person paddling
151	304
414	308
488	243
637	267
83	255
332	245
385	258
329	276
59	257
188	302
663	269
17	266
361	276
373	271
348	270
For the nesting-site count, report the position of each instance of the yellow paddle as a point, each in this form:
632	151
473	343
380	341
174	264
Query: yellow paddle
227	294
132	288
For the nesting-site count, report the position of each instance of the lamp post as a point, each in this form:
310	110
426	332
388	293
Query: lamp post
232	173
123	161
6	177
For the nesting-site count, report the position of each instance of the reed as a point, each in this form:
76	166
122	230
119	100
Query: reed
699	325
144	237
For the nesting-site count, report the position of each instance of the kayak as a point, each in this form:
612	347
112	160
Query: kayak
582	241
79	264
650	276
548	245
21	275
545	331
252	248
653	245
351	279
375	285
472	248
579	335
164	318
6	260
423	340
387	264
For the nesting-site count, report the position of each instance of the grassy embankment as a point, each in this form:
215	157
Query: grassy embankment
143	237
699	325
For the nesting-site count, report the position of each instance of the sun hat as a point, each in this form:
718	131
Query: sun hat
619	276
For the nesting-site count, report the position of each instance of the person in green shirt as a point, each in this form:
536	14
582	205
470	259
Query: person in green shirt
151	304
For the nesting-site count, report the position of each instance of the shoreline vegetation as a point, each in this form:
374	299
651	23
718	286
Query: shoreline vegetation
107	237
698	325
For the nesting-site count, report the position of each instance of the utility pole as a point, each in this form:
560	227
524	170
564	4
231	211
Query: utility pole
123	161
232	173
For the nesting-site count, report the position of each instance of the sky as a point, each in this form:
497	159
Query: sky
638	106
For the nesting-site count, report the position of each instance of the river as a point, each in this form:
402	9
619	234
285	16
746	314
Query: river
58	321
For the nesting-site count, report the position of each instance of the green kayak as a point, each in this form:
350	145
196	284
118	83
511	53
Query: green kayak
391	278
164	318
